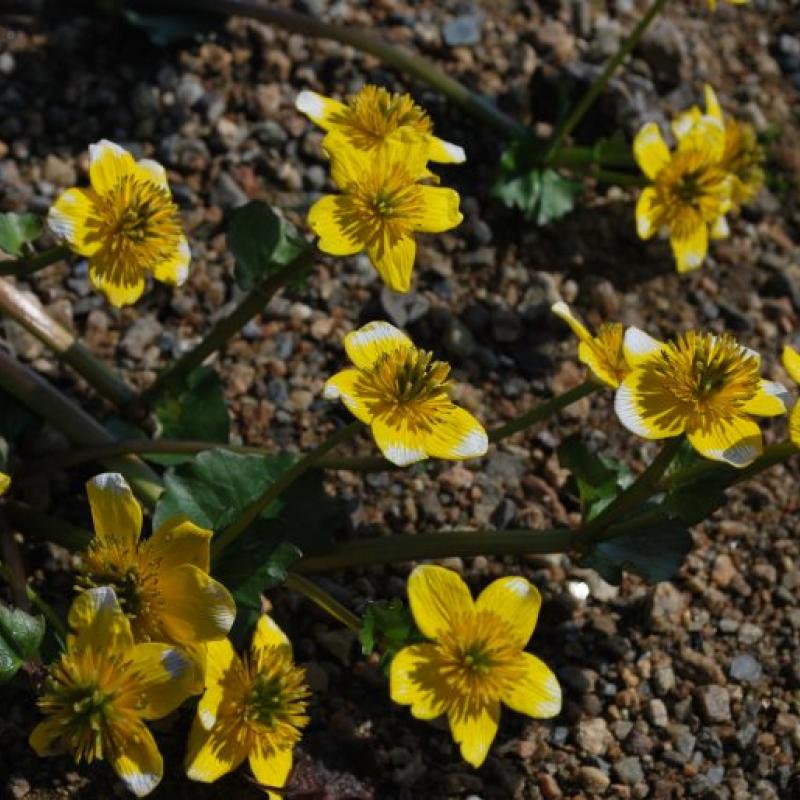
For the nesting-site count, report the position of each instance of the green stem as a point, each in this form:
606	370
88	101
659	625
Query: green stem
27	265
46	609
297	583
639	491
586	102
32	317
274	490
250	305
36	394
543	410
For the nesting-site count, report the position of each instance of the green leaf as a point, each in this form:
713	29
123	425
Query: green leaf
166	29
20	638
17	230
194	408
614	151
655	554
387	625
694	502
261	242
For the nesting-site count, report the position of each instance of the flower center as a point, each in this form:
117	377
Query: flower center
265	701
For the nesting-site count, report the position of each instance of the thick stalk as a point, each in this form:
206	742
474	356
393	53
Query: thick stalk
272	492
250	305
36	394
317	595
33	318
27	265
586	102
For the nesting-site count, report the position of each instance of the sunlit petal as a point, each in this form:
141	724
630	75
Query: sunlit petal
437	595
517	602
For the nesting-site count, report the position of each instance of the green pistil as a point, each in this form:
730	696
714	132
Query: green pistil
476	660
265	701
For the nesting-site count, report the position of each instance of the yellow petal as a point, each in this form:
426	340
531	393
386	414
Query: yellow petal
135	758
720	228
212	754
116	513
649	414
706	136
98	622
344	386
331	218
436	596
684	122
791	362
320	109
794	425
175	270
646	224
443	152
271	765
399	443
221	661
73	218
455	436
690	250
771	400
149	170
349	165
516	601
47	738
713	108
441	209
5	482
562	311
179	541
474	729
415	679
736	441
267	635
639	346
120	284
366	345
650	150
165	677
589	354
108	164
196	607
536	692
393	258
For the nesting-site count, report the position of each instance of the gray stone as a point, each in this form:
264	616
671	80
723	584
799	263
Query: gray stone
658	713
18	787
629	770
189	90
141	334
403	307
715	703
593	780
744	668
593	736
463	30
458	341
226	193
682	739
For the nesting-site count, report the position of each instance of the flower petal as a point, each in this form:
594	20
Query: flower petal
152	171
562	311
212	754
120	284
268	634
397	441
650	150
720	228
648	414
690	249
331	218
271	765
536	692
318	108
98	622
684	122
475	729
175	270
455	436
415	679
71	216
393	258
713	108
221	660
344	386
790	359
441	209
794	425
646	224
116	513
436	596
366	345
179	541
137	761
108	164
639	346
443	152
736	441
196	607
349	164
771	400
598	362
165	678
706	136
47	738
516	601
5	482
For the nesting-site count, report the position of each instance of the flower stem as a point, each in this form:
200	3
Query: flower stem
586	102
33	318
27	265
250	305
297	583
49	613
272	492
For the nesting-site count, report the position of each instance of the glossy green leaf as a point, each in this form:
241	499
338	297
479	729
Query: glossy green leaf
17	230
20	638
387	625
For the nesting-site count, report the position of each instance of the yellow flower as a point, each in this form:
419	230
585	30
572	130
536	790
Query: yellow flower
690	191
743	155
126	224
163	582
702	385
252	708
102	689
403	395
475	660
5	482
603	354
712	4
381	207
791	363
373	116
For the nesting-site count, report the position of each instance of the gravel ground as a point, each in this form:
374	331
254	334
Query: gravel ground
689	688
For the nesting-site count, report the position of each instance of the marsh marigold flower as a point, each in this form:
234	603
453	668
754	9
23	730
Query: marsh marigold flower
690	191
125	224
402	393
791	363
381	207
475	659
700	384
162	582
253	708
99	693
603	354
373	116
743	156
